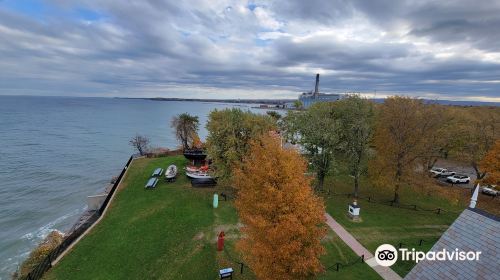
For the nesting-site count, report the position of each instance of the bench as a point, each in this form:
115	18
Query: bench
151	183
157	172
226	273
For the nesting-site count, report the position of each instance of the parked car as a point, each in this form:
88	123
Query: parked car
490	190
456	179
437	172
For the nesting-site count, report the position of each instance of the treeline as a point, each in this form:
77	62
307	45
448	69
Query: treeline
263	160
394	143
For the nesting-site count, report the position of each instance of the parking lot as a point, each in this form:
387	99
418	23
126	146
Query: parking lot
459	168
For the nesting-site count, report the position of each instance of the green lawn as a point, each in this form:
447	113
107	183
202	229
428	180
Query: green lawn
170	233
385	224
339	252
156	234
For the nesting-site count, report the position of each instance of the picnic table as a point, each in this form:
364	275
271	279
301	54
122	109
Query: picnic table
151	183
226	273
158	171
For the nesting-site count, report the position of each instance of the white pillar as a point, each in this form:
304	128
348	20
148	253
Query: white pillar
473	200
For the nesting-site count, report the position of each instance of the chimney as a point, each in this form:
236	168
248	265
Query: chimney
316	88
473	199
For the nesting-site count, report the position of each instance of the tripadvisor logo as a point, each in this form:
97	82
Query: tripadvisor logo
387	255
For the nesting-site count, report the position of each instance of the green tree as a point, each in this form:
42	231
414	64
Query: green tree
297	104
275	115
229	134
186	129
356	116
317	130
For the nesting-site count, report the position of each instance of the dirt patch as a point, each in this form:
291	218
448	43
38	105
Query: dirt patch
199	236
231	231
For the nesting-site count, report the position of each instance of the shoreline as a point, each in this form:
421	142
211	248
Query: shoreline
460	103
237	101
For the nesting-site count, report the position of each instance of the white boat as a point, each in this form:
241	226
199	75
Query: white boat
171	172
198	175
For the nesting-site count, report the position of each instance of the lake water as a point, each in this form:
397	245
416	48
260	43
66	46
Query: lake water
55	151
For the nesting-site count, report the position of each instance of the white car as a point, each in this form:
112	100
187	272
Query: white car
490	190
437	172
456	179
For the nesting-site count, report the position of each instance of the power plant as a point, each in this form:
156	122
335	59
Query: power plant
309	98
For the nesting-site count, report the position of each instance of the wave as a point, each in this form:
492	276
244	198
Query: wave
42	232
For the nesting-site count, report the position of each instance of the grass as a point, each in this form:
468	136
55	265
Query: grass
338	251
170	233
382	224
148	232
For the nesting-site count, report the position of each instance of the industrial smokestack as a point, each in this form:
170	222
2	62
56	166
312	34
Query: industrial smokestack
316	88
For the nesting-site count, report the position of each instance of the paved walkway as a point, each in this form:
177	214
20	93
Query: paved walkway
384	272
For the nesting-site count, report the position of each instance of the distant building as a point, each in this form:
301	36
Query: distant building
309	98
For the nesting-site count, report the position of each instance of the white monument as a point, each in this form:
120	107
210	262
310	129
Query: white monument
353	211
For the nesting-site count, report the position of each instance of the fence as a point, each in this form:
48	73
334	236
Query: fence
391	203
337	266
46	264
418	242
231	258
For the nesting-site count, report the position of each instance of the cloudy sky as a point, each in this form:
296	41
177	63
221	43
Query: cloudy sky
250	49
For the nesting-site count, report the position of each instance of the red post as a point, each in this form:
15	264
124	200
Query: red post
220	241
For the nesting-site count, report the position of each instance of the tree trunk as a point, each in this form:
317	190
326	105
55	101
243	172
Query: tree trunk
397	178
356	186
321	180
357	172
479	175
431	164
396	194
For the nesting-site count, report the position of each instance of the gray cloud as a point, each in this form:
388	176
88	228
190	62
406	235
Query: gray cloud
269	49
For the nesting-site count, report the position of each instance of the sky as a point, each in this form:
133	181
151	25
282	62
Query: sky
250	49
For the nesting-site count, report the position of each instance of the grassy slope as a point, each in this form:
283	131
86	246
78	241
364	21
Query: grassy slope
338	251
170	233
146	232
384	224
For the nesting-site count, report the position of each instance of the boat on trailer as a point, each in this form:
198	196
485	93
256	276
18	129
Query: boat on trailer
198	175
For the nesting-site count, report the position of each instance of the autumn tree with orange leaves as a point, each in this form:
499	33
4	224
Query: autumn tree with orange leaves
491	165
283	219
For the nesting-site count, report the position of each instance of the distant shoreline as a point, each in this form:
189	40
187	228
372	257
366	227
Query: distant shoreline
283	101
263	101
245	101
